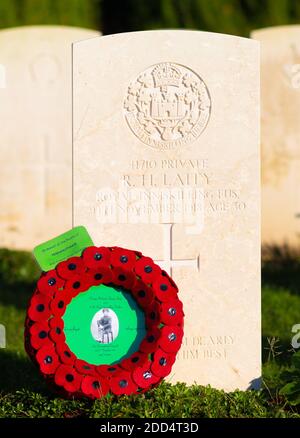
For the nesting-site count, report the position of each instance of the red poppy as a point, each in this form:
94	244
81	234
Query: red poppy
150	342
165	274
102	275
57	330
59	303
84	367
39	335
162	363
94	387
47	359
122	383
144	377
164	289
65	354
123	258
107	370
171	312
68	378
123	278
70	268
171	338
152	315
136	359
143	294
49	282
147	269
56	322
39	308
77	284
96	257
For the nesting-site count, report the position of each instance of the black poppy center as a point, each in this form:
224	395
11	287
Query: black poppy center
151	338
96	384
72	266
43	334
172	337
98	276
69	377
163	287
40	307
148	269
123	259
147	375
172	311
60	304
111	369
76	285
51	281
162	361
98	256
122	277
135	359
141	293
58	331
67	353
48	359
123	383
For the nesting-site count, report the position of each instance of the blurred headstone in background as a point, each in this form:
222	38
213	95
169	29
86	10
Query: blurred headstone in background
280	133
36	133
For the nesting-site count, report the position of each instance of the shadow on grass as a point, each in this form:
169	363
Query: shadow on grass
17	294
281	267
18	372
18	276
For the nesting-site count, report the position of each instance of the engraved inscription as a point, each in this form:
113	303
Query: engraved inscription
167	191
167	106
206	347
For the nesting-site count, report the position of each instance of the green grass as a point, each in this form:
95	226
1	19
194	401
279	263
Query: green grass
23	392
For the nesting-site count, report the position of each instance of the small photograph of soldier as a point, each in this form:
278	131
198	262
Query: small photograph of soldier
105	333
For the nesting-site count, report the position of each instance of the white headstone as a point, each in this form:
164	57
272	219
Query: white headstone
166	161
36	133
280	133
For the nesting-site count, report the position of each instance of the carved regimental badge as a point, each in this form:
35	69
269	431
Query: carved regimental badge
167	106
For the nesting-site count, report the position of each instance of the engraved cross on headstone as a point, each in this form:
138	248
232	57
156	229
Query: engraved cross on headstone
168	263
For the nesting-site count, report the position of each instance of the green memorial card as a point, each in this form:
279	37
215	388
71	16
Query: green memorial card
69	244
104	325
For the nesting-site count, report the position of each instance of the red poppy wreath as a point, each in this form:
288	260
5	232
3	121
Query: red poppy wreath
59	298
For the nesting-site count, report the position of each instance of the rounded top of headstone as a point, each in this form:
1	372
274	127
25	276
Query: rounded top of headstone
180	33
272	32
